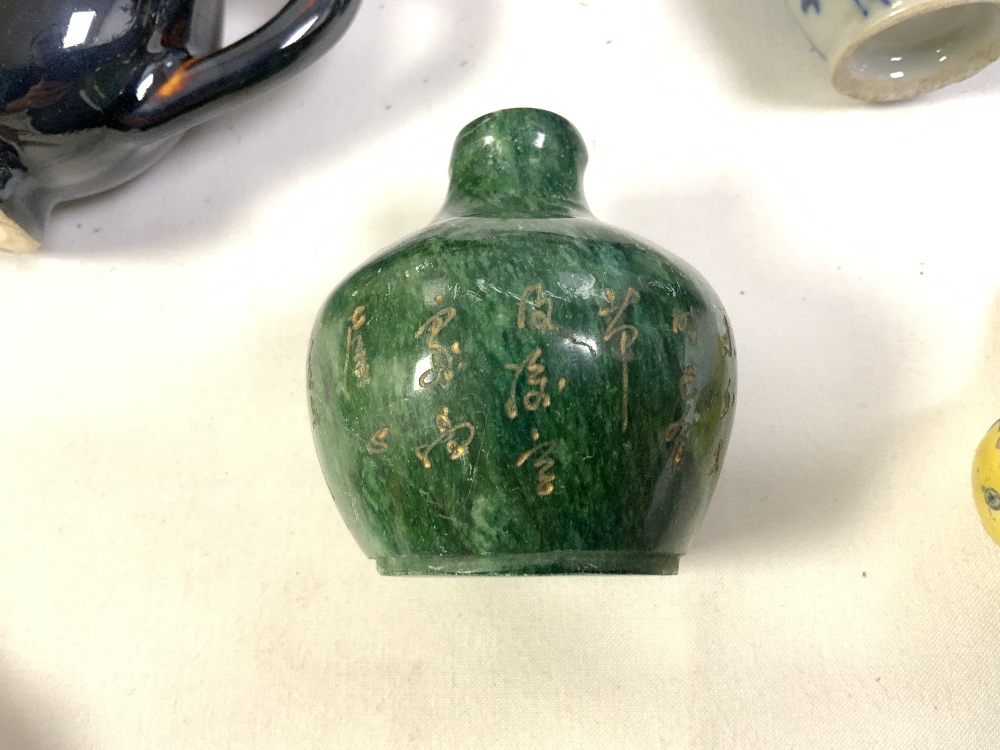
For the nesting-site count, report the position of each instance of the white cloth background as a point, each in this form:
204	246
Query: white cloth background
173	573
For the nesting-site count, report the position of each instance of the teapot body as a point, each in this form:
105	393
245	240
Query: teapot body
66	66
890	50
92	92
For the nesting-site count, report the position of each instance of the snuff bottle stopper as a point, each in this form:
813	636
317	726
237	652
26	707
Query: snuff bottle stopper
519	388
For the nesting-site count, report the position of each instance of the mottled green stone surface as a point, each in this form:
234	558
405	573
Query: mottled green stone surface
520	388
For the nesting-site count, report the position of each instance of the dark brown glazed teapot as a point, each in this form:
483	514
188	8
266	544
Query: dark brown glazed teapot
93	92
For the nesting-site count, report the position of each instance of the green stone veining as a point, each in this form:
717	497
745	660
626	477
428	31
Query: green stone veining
520	388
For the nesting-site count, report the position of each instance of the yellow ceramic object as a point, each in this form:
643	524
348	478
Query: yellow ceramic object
986	481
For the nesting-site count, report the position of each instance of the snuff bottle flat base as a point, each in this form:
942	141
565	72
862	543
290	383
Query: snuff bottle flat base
540	563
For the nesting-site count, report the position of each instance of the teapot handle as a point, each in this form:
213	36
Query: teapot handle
180	95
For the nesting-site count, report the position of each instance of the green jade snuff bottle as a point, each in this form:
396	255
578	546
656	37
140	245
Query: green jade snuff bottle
519	388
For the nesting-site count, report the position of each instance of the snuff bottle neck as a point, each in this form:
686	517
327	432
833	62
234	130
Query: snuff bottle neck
523	163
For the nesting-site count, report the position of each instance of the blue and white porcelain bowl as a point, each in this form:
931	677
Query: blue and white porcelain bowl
887	50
